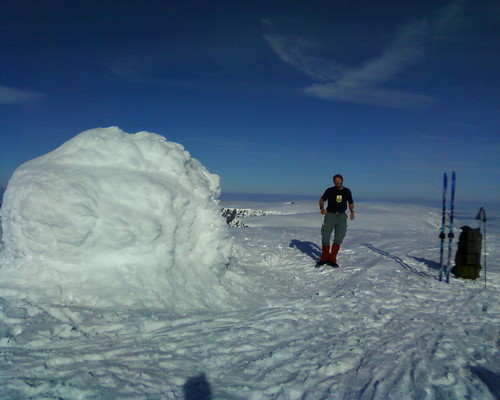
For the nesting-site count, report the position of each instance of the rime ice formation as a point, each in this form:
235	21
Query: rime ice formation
111	218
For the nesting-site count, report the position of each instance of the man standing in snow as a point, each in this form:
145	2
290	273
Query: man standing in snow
338	198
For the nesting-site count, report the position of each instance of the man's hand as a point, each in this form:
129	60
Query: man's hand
322	206
351	216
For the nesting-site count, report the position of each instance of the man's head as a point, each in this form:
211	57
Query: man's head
338	180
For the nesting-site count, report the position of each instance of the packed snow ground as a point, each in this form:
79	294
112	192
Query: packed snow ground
379	327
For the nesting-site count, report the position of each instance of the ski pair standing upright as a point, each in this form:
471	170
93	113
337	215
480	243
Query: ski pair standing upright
445	270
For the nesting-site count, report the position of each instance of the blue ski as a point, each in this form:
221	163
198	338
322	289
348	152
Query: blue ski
442	235
450	232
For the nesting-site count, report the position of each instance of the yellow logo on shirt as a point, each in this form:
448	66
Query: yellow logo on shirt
339	198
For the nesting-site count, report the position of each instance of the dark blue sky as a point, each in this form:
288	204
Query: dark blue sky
273	96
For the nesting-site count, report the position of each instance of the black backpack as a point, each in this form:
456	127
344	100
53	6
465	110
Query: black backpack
468	257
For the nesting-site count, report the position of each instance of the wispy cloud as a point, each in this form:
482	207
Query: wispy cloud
302	53
10	95
137	67
369	82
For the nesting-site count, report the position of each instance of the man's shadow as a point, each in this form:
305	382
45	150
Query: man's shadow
309	248
197	388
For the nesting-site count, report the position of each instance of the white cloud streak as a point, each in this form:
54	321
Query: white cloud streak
365	83
9	95
299	52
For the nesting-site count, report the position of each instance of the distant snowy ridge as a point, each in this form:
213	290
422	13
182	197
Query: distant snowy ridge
247	212
233	215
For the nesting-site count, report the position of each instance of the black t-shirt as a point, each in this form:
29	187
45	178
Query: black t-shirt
337	199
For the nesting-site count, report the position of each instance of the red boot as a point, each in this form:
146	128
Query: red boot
325	256
333	255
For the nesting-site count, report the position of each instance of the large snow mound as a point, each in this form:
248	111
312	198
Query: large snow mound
112	218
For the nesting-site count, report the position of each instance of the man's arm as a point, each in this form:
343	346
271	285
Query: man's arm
322	206
351	209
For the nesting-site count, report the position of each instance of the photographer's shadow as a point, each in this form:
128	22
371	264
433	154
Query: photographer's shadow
197	388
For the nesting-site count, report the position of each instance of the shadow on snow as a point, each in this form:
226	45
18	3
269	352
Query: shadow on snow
430	264
308	248
197	388
489	378
401	262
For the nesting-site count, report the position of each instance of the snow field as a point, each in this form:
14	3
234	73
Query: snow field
379	327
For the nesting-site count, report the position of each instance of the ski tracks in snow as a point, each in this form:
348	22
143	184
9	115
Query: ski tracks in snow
391	330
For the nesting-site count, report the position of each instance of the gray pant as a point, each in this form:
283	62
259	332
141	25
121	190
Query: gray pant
334	221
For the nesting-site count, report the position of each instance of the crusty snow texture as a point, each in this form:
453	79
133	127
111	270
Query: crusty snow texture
114	218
